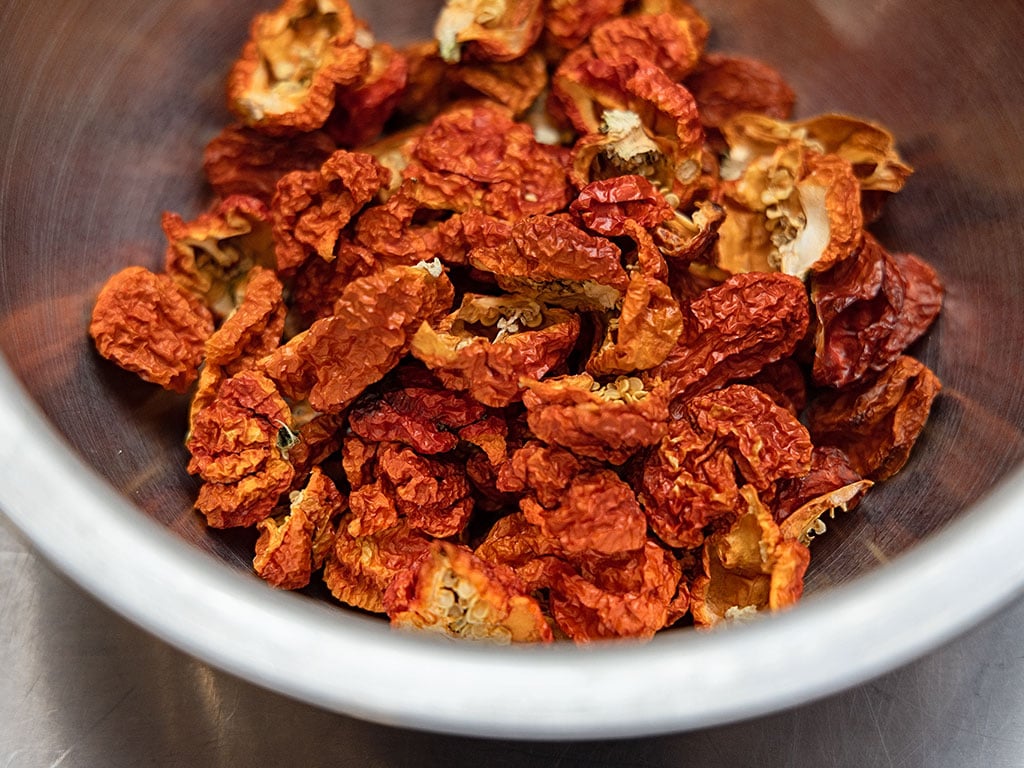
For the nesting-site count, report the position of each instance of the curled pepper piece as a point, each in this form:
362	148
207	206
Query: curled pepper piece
290	548
427	417
254	329
634	120
373	509
317	285
647	325
147	324
556	261
243	161
784	382
389	230
463	232
454	592
689	237
800	503
492	342
311	208
748	568
361	110
567	23
868	147
237	446
432	493
605	421
767	441
488	30
732	330
314	437
604	206
727	86
670	42
516	543
470	140
628	595
421	417
333	361
796	212
359	569
210	255
285	79
876	421
597	513
513	174
870	308
690	481
541	471
515	84
687	484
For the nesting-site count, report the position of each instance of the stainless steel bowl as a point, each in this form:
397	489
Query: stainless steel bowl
105	107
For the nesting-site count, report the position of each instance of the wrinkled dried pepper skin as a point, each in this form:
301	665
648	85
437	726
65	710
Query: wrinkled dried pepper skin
148	325
235	447
288	551
733	330
311	208
555	327
333	361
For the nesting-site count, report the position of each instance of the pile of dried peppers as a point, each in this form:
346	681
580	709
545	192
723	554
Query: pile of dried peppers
556	326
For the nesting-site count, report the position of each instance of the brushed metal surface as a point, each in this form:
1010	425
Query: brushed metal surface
104	109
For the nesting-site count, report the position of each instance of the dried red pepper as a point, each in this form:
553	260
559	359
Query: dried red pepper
148	325
731	331
311	208
876	421
333	361
492	343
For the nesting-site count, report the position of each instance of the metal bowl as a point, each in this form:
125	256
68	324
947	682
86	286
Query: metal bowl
106	106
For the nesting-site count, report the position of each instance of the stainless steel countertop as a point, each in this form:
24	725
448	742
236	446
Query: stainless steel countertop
82	687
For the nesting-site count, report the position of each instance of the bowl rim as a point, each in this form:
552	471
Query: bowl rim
358	666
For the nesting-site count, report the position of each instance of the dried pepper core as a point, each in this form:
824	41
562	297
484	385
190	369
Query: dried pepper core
210	255
748	568
492	343
555	327
455	593
297	56
492	30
